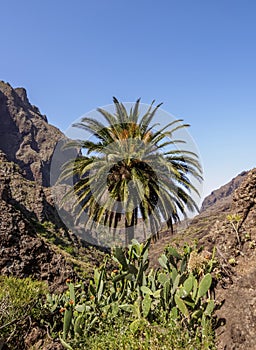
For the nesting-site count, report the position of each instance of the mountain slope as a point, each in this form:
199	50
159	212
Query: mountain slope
25	135
212	228
23	251
221	198
33	239
239	309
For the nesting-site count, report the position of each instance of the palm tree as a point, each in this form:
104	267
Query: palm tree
132	172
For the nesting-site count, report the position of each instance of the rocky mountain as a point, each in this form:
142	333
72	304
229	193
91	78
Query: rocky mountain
228	213
23	252
239	309
34	240
25	135
221	199
215	207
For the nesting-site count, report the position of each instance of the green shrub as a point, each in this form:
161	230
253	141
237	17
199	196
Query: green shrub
20	303
132	300
172	336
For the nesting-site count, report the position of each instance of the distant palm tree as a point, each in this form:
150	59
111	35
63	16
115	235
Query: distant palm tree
129	172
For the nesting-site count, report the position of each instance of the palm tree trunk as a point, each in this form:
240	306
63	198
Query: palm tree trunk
129	230
170	225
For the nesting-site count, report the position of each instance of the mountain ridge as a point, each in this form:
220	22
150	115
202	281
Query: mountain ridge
27	143
23	134
222	196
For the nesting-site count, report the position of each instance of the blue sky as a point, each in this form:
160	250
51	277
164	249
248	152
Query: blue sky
197	57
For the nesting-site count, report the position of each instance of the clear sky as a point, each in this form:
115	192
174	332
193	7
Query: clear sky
197	57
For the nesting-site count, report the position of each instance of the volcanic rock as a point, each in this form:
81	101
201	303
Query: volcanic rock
221	199
23	252
25	135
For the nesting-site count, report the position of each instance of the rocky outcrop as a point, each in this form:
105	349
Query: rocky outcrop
34	241
214	210
33	200
213	228
238	260
239	309
23	252
25	135
221	199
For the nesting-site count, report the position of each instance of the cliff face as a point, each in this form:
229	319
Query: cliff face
33	239
25	135
221	199
32	199
23	252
